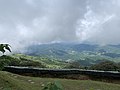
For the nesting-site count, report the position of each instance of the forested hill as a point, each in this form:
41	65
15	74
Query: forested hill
70	51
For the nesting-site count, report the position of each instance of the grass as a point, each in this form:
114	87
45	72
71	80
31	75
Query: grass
9	81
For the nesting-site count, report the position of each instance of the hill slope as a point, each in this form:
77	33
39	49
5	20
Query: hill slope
30	61
63	51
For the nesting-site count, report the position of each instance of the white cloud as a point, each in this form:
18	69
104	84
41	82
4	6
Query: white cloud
46	21
92	25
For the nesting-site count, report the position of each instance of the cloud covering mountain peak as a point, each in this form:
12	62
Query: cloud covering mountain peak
24	22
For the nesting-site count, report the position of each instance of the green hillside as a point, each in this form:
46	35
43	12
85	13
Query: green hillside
9	81
86	54
30	61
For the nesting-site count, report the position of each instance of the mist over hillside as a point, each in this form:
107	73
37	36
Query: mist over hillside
28	22
39	27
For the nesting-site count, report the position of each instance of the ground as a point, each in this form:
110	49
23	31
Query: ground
9	81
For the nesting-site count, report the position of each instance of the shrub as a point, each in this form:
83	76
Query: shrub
52	86
4	47
105	66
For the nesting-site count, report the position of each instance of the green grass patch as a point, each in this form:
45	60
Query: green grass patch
9	81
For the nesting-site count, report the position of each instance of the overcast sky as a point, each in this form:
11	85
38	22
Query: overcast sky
23	22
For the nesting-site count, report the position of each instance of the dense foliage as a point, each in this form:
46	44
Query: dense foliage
106	66
4	47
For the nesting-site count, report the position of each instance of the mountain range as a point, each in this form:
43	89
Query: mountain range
72	51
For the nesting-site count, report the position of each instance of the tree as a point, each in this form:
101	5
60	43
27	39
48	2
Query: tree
73	65
4	47
105	66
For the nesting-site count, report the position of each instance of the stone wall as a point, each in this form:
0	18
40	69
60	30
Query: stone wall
58	72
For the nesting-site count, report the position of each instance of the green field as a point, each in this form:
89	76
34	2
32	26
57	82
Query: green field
9	81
